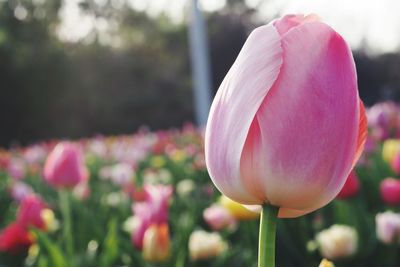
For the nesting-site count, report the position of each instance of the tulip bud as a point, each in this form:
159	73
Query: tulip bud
285	135
388	227
156	244
350	188
390	191
237	210
337	242
65	166
218	218
203	245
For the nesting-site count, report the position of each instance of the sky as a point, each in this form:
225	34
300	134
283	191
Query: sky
371	23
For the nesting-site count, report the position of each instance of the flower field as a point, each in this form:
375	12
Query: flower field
146	199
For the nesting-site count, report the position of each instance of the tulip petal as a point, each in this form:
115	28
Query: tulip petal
234	107
308	124
362	133
288	22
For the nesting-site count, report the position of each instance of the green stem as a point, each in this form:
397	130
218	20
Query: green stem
266	245
67	225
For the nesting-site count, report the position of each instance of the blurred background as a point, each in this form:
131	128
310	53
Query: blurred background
74	68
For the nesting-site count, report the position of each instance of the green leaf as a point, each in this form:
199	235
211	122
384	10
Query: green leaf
110	245
55	255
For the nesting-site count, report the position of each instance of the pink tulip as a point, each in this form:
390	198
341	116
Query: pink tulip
65	166
19	191
350	188
218	217
390	191
388	227
287	125
30	212
17	168
395	164
154	210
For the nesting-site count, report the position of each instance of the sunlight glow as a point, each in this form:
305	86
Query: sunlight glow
368	23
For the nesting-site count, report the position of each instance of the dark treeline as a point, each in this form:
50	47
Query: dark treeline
55	89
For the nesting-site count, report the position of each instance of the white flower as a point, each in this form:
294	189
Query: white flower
185	187
338	241
388	227
204	245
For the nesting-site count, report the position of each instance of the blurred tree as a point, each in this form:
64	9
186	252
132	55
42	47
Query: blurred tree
130	70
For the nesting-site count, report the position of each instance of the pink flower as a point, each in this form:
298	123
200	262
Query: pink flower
383	119
154	210
81	191
65	166
350	188
395	164
287	125
390	191
16	168
218	217
20	190
30	212
388	227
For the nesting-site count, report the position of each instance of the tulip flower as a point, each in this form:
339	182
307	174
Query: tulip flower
388	227
20	190
15	238
338	241
154	210
204	245
283	134
16	168
395	164
156	244
350	188
30	212
286	125
218	217
33	212
389	149
390	191
65	166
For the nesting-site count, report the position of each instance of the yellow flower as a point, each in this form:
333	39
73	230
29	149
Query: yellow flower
156	243
178	156
33	251
326	263
390	148
49	219
157	161
237	210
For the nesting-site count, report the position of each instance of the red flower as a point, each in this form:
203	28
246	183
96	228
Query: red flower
15	238
350	188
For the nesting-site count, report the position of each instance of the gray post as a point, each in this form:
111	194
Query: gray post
200	64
